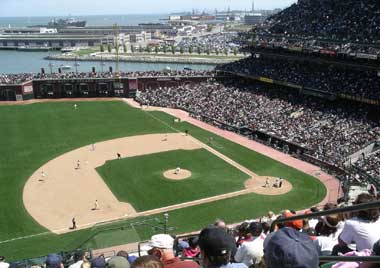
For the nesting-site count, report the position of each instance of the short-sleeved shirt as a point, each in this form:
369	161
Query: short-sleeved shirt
361	232
178	263
251	252
4	264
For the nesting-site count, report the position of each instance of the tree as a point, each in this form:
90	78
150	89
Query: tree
132	48
109	48
156	49
140	49
101	48
226	51
208	51
199	50
173	49
216	52
181	50
235	51
165	49
147	49
125	48
190	50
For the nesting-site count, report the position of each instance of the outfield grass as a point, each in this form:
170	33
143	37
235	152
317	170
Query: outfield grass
210	176
33	134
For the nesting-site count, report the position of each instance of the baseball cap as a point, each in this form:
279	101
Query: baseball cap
161	241
118	262
296	224
53	261
289	248
2	258
98	262
215	241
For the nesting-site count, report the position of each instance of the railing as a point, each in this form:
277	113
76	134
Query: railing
322	259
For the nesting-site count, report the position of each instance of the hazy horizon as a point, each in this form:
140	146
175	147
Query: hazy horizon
41	8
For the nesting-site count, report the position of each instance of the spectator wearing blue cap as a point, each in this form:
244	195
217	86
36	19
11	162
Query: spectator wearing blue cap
54	261
289	248
216	248
98	262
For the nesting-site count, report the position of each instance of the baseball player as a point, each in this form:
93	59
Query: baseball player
78	165
267	183
177	171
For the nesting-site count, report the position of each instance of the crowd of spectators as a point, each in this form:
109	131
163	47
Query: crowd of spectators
260	243
318	76
352	20
350	28
15	78
9	79
220	42
74	75
370	164
331	131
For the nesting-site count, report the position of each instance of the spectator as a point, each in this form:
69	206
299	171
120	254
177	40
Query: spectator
79	258
125	254
192	251
98	262
289	248
3	264
363	229
375	252
251	252
147	261
330	230
216	249
54	261
162	248
118	262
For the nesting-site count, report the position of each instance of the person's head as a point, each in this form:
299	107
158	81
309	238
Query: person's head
243	229
329	206
329	224
54	261
296	224
266	227
255	228
98	262
147	261
118	262
216	246
270	214
368	214
162	246
288	248
123	253
2	258
79	255
220	224
193	242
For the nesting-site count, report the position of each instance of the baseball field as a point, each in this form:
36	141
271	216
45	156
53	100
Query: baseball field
55	161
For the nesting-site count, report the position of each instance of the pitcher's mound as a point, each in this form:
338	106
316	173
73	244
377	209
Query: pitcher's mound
182	174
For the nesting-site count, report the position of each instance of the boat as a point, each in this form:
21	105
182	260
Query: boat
63	23
65	67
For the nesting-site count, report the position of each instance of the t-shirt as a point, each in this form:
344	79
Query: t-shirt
251	252
234	265
4	264
325	244
178	263
361	232
78	264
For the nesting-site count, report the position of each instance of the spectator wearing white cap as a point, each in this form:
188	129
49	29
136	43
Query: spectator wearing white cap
162	248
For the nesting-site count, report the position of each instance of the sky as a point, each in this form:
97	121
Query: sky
10	8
